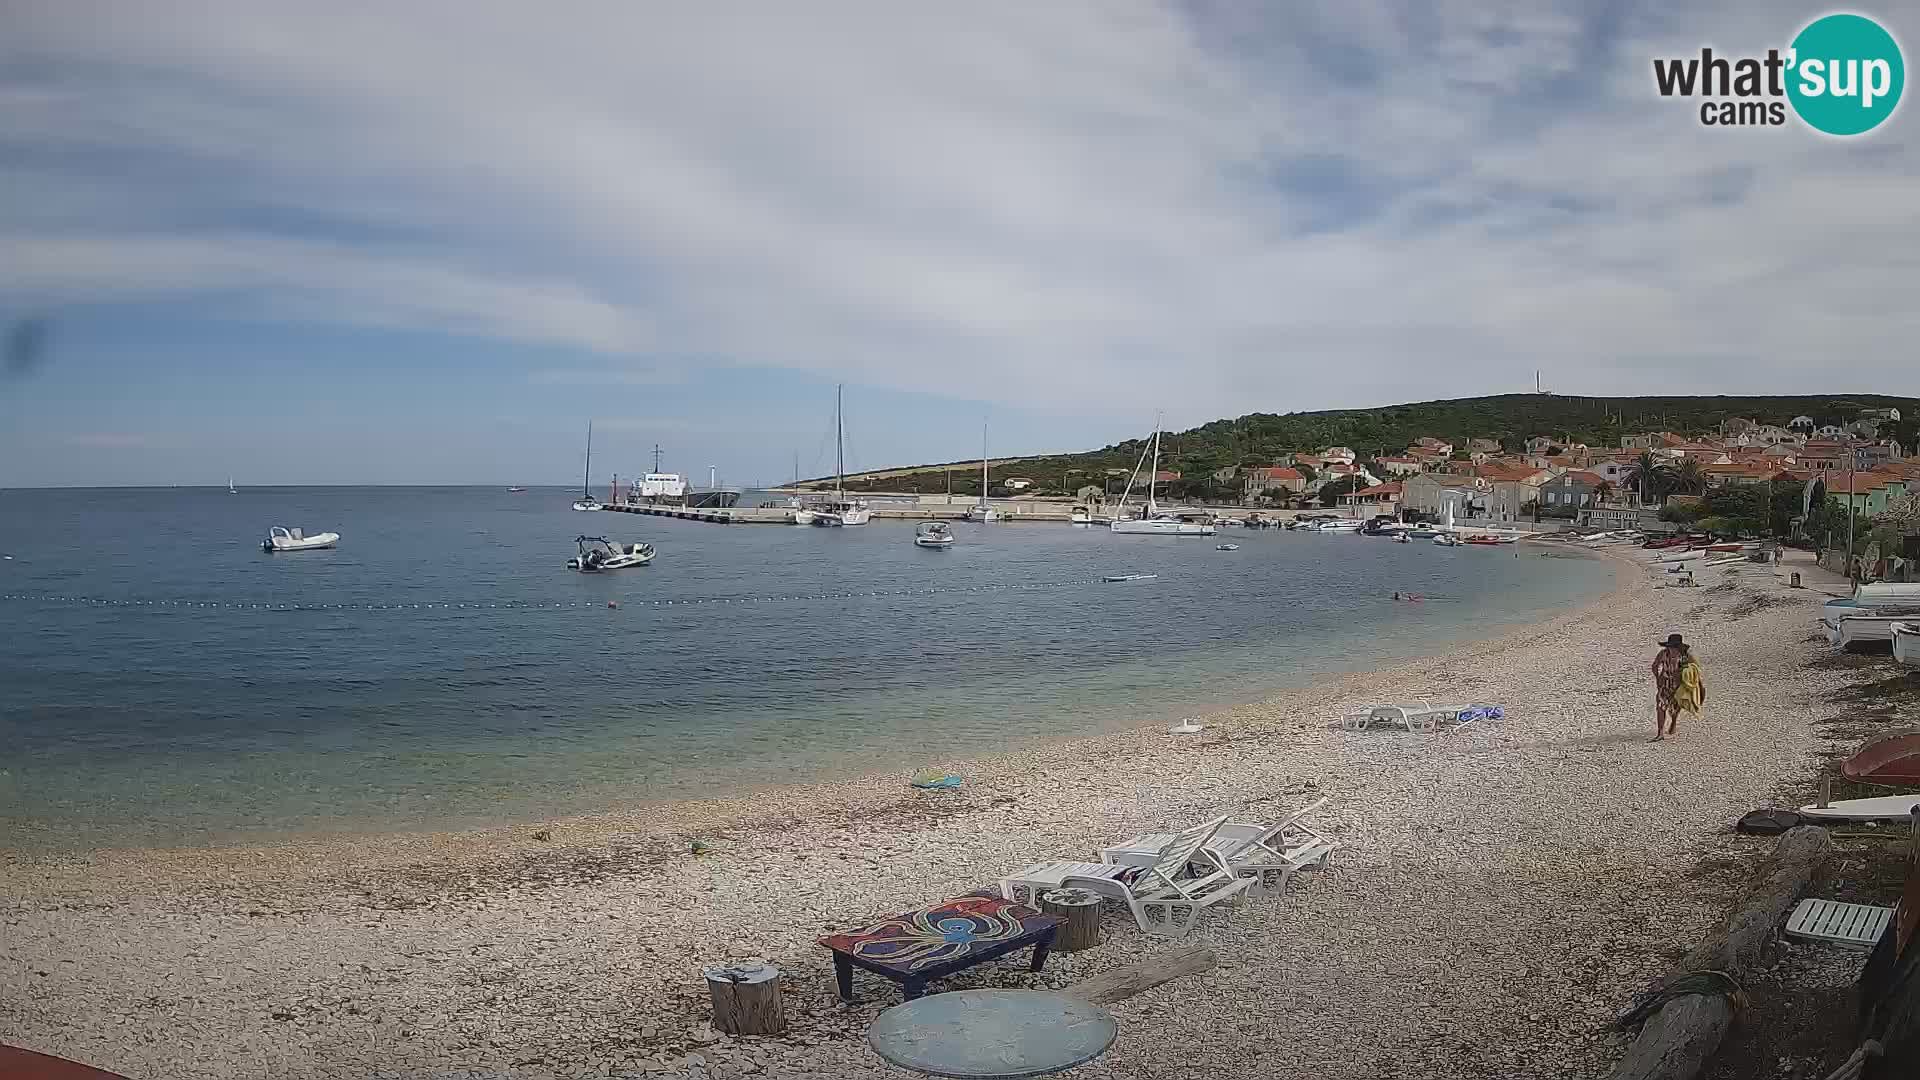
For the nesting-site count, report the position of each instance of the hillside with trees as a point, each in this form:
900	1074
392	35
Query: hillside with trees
1261	438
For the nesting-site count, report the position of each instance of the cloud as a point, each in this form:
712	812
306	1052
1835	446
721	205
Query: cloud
1213	206
111	440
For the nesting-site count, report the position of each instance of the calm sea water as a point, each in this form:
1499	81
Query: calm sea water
150	721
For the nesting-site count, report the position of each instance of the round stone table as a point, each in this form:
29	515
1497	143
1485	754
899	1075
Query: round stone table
980	1034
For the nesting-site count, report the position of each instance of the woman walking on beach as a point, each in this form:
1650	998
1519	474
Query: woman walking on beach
1677	685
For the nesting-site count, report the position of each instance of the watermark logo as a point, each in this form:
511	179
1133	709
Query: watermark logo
1842	75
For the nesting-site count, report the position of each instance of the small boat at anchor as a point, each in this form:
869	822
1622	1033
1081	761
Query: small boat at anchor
1226	547
933	534
1129	577
597	553
281	538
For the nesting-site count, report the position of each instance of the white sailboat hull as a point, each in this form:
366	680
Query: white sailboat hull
585	504
1161	527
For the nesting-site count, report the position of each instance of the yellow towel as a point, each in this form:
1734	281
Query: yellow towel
1689	694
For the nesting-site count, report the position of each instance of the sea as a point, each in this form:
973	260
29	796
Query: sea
165	682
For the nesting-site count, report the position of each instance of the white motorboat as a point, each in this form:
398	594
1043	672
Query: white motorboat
802	516
1229	522
982	513
586	501
1906	642
1865	628
597	553
1082	517
1348	525
1404	538
1153	521
281	538
1446	539
841	511
1226	547
933	534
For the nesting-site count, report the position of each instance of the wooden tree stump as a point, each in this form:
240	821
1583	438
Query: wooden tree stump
1080	908
746	999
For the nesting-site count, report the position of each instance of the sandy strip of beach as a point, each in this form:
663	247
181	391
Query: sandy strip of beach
1497	896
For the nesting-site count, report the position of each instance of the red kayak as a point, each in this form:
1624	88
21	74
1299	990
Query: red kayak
1894	760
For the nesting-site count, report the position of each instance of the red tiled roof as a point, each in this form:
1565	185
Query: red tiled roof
1282	472
1391	488
1583	477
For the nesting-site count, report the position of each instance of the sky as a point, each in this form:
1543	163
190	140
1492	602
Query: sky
428	242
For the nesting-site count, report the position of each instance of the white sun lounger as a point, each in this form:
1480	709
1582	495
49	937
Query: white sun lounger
1850	926
1267	855
1163	900
1422	716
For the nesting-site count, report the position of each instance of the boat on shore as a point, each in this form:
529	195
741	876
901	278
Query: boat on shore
280	538
597	553
933	534
1856	628
1906	642
1489	539
1894	760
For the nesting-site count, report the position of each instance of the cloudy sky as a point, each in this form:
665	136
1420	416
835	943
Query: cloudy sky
425	242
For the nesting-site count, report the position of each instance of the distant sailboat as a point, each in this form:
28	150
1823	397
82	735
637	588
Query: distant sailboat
841	511
586	501
982	510
230	488
1153	522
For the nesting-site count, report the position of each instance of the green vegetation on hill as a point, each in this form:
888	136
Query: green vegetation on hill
1261	438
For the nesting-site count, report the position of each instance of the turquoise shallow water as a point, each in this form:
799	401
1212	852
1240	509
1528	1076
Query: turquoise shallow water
145	719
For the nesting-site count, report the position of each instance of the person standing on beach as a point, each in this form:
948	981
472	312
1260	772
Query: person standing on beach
1677	685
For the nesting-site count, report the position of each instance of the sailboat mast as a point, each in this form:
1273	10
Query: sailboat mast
839	446
983	463
1154	475
586	474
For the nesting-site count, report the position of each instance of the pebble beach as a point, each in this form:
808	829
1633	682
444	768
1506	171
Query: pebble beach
1497	897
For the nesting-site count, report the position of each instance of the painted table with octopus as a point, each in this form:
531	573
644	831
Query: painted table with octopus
914	947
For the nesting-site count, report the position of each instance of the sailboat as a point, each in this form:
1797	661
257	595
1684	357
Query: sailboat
586	501
231	490
1153	522
840	512
982	511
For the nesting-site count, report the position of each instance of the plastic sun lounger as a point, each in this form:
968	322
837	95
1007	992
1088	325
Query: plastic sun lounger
1163	900
1267	855
1420	716
1850	926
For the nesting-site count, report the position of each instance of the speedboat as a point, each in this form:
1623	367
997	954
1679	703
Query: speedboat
802	516
1351	525
1448	540
280	538
597	553
933	534
1082	517
981	512
1226	547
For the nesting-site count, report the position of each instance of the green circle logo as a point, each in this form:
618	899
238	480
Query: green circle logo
1846	74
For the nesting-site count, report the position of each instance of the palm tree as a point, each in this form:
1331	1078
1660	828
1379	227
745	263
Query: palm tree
1649	476
1603	491
1687	478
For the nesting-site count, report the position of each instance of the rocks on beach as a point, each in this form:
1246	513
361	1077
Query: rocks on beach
1498	895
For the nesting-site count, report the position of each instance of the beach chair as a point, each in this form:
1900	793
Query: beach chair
1158	892
1418	716
1266	855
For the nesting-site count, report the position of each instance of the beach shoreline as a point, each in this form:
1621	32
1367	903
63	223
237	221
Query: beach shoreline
1490	908
296	855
